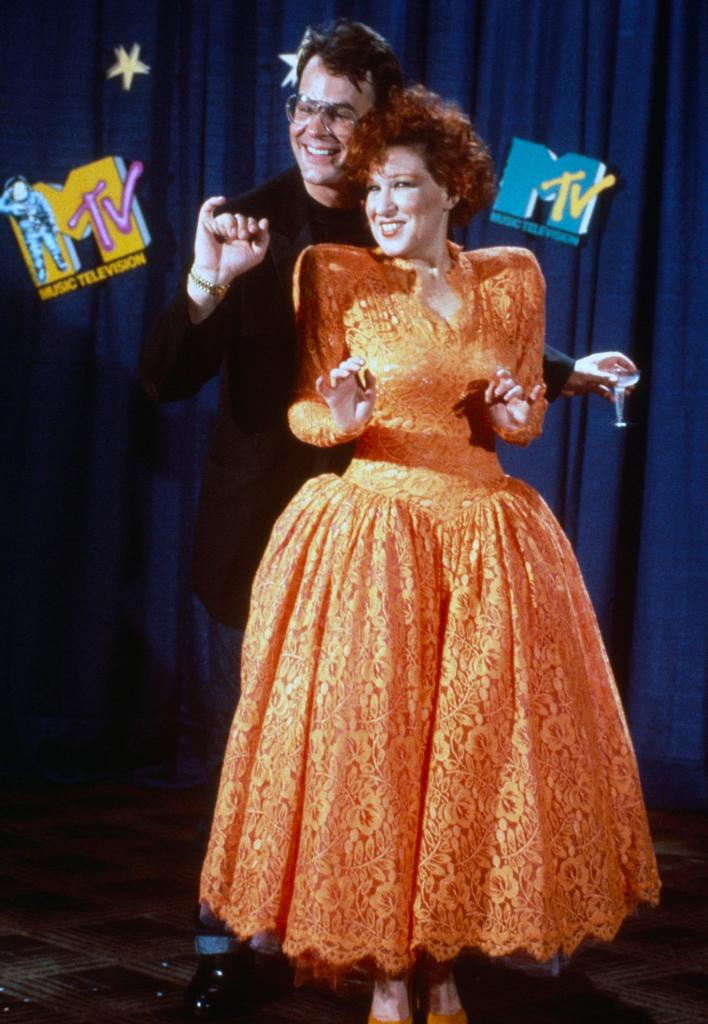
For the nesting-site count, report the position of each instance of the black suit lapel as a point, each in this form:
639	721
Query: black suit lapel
291	231
284	252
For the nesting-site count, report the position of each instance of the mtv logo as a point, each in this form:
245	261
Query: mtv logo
571	184
97	200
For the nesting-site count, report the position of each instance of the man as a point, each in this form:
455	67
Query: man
234	316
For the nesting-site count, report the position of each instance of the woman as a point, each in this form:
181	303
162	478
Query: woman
429	753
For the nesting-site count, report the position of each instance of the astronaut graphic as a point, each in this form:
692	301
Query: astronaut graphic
35	219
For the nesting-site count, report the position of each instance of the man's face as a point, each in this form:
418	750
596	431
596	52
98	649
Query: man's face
320	153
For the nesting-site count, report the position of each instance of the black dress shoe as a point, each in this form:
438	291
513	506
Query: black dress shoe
219	986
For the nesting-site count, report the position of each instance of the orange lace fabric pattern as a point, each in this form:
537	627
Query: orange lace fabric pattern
430	752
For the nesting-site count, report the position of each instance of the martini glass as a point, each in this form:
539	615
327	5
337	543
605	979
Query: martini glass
619	388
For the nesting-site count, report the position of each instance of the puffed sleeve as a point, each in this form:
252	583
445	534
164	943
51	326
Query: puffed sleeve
529	313
320	288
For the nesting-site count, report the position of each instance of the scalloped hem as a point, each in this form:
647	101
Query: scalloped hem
313	963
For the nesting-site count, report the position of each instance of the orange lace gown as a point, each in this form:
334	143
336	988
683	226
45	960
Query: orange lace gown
429	752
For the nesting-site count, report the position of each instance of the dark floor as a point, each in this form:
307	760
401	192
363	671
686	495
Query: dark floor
96	893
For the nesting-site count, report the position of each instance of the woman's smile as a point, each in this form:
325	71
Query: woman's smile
408	210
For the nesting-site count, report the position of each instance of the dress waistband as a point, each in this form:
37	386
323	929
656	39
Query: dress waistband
440	492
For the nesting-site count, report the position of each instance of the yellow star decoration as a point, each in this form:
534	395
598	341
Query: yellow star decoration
127	65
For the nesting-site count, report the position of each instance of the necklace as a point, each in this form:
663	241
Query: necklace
437	273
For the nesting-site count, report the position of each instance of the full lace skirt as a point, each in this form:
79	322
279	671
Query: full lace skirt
429	753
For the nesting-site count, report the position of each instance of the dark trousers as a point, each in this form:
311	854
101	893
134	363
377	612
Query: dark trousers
216	709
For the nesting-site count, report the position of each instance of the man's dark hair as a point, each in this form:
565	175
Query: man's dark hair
353	50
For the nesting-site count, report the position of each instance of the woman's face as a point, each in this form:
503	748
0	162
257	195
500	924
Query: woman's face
408	211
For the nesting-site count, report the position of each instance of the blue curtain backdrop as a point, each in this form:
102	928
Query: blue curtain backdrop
103	644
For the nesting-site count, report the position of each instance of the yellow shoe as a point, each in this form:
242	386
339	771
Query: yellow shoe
458	1017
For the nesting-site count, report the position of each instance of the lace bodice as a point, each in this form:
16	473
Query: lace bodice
430	371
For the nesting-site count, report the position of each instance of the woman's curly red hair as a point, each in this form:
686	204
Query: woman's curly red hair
455	156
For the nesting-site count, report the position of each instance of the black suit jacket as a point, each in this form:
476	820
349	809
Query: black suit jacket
254	465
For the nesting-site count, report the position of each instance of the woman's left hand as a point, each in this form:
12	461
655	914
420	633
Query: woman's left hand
509	405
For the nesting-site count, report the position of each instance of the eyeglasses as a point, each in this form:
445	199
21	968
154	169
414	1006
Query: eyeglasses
338	118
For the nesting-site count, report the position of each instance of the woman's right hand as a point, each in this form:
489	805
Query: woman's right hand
350	402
